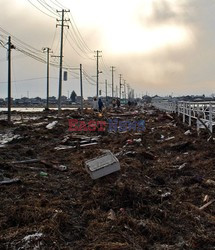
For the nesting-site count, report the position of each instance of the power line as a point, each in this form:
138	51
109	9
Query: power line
29	47
56	4
40	10
30	79
89	77
75	49
62	6
79	36
47	8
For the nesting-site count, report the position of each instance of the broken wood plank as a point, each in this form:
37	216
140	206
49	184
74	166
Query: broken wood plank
202	213
26	161
7	181
207	204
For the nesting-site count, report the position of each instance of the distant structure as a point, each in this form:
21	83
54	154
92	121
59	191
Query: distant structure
73	96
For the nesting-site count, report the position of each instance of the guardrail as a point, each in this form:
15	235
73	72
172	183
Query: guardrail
202	113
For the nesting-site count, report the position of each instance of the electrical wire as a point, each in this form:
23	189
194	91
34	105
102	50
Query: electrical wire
30	79
75	35
90	77
76	50
53	2
79	36
59	4
88	80
47	8
20	42
41	10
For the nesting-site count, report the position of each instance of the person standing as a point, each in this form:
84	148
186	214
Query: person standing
95	104
100	104
114	103
118	103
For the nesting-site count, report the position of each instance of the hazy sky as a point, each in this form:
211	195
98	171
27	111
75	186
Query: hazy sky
159	46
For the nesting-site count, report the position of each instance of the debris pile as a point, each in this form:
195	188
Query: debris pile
162	197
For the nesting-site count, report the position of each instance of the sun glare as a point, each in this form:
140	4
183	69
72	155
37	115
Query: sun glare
120	29
142	40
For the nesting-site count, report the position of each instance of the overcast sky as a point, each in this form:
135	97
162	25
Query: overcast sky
159	46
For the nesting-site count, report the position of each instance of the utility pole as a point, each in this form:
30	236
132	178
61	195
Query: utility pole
81	87
61	55
9	80
116	93
47	50
120	85
125	88
10	46
97	72
128	91
106	91
112	69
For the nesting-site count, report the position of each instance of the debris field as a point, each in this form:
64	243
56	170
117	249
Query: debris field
161	198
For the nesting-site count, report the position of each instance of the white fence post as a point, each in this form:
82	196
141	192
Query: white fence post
210	117
197	121
183	112
179	108
189	111
194	111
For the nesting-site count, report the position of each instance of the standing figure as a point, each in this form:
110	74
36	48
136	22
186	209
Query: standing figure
114	103
118	103
95	104
100	103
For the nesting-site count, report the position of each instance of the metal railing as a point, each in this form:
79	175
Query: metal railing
202	113
165	105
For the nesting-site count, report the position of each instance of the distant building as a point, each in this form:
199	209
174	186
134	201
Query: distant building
52	100
36	101
2	101
146	99
78	99
63	99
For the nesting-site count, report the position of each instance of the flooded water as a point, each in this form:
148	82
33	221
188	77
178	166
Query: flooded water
32	109
17	117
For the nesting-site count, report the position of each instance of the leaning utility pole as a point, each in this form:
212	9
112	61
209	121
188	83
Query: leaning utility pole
120	85
112	69
81	87
47	50
97	71
61	55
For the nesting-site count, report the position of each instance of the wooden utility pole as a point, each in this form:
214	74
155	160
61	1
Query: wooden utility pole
112	70
81	87
9	80
120	85
10	46
62	25
125	88
106	91
97	72
47	50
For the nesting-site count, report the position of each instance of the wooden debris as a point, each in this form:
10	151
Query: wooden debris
7	181
111	215
207	204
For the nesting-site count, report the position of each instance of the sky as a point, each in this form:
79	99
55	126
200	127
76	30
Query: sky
164	47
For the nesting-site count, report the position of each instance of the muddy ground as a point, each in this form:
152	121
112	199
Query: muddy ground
156	200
